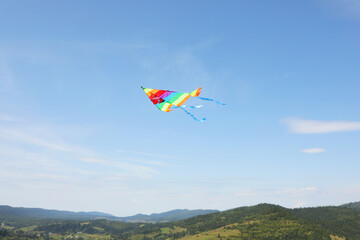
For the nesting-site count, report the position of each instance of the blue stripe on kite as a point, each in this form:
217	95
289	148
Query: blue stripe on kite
172	95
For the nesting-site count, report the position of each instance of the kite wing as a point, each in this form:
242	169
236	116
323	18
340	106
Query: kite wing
166	100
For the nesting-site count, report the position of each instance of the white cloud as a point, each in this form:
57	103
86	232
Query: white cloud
6	76
310	126
93	160
299	204
9	118
18	135
182	67
297	191
313	150
46	148
136	170
344	8
245	193
151	154
311	189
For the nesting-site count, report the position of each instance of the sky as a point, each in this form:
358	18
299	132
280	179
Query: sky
77	132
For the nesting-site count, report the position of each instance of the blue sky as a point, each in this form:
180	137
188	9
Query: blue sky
78	133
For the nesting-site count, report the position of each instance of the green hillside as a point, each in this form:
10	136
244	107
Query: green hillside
353	205
340	221
263	221
260	222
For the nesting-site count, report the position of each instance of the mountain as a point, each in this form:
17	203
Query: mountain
260	222
39	213
174	215
7	212
353	205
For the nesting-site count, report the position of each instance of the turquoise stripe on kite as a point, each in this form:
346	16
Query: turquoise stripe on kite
170	96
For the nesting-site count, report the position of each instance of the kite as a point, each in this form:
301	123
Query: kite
166	100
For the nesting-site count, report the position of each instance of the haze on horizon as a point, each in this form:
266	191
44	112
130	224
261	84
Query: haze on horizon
77	133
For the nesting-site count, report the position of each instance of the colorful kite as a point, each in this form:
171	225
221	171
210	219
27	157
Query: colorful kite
166	100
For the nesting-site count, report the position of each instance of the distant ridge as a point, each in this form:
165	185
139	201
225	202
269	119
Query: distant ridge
174	215
7	212
39	213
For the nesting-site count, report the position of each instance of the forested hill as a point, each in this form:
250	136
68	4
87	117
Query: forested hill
353	205
263	221
342	221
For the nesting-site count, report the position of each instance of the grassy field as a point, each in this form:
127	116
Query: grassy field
172	230
223	232
336	238
55	236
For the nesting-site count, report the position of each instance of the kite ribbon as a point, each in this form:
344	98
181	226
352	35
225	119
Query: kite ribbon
189	113
209	99
199	106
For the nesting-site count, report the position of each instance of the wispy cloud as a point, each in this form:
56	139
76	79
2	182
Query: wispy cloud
297	191
303	126
6	76
158	163
313	150
24	145
136	170
181	67
9	118
104	161
150	154
19	136
93	160
344	8
299	204
246	193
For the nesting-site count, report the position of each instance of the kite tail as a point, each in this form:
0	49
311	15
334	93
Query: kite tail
209	99
190	114
184	106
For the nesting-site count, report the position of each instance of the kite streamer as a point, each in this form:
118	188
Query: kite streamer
209	99
190	114
199	106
